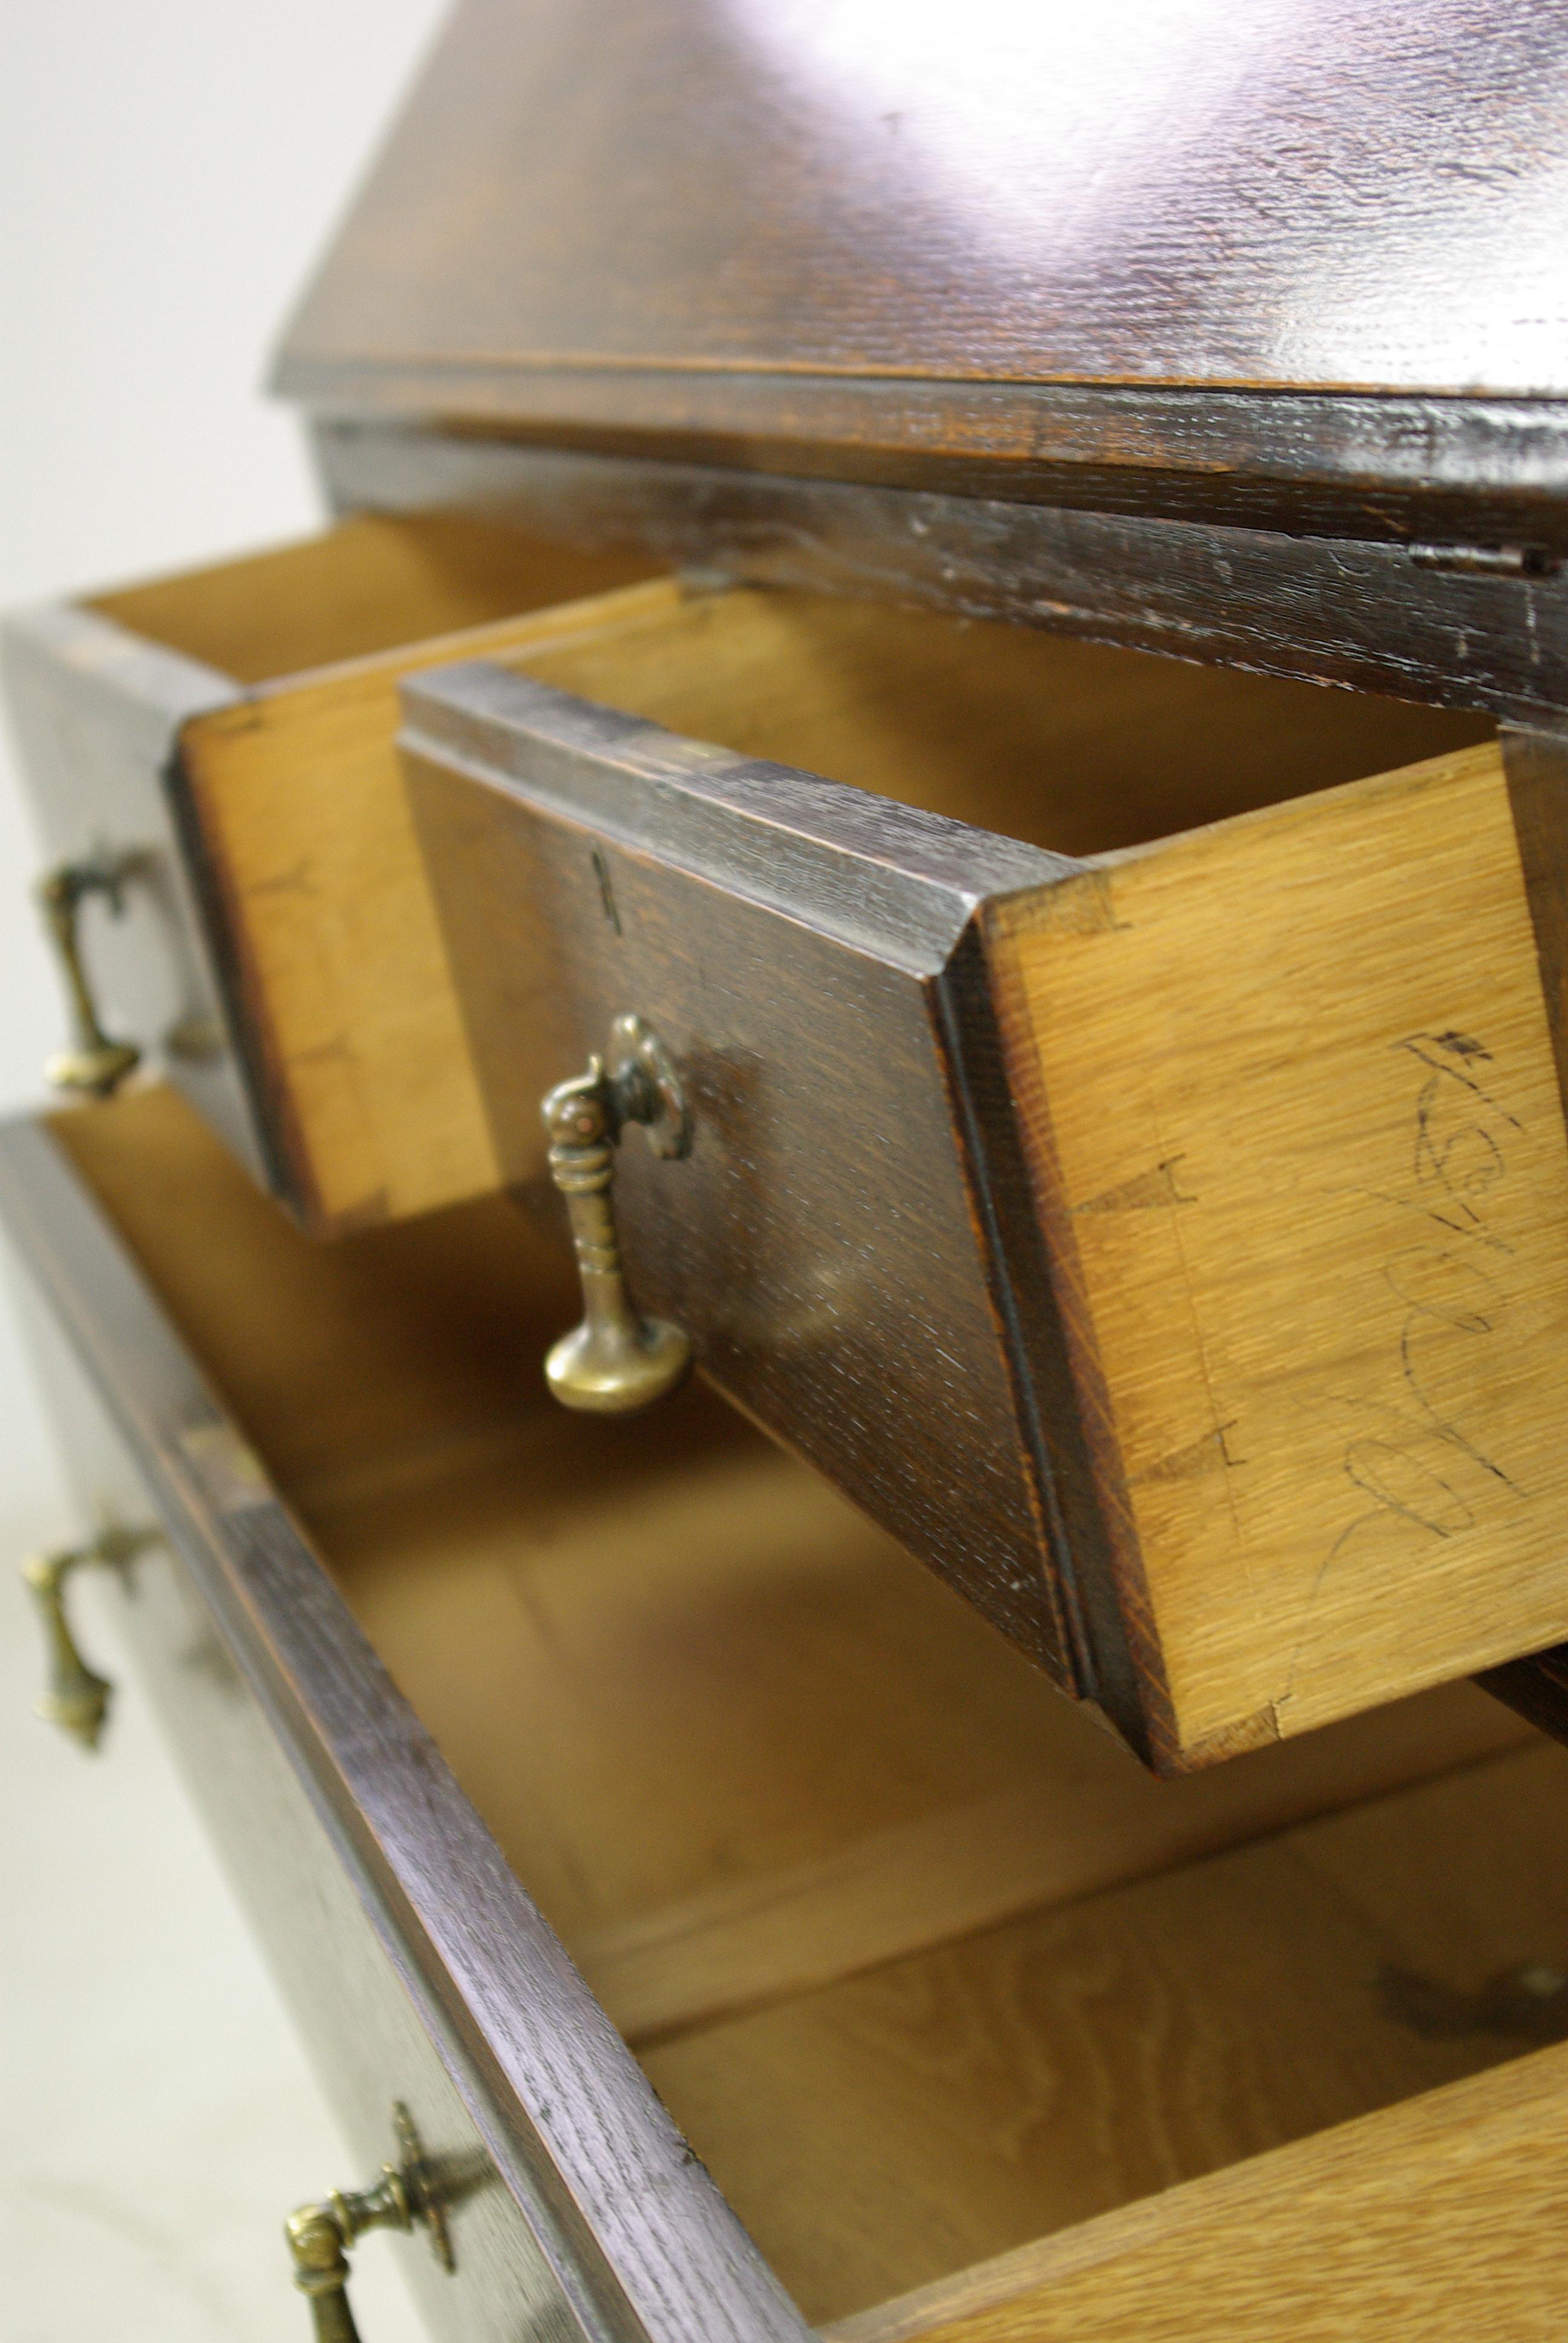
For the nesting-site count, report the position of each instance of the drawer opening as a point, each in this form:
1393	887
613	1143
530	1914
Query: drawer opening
368	585
923	1964
1076	747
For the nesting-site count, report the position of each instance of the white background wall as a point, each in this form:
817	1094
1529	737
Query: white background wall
168	170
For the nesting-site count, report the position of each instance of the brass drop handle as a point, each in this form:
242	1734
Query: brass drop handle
94	1062
76	1698
616	1360
405	2195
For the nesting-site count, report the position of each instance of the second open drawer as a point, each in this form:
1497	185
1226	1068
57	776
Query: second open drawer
1152	1206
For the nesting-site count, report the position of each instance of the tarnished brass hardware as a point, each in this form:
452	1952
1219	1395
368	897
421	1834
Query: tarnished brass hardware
94	1062
616	1360
195	1040
406	2195
76	1698
1528	2003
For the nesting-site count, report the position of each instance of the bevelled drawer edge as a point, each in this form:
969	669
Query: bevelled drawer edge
642	2244
878	871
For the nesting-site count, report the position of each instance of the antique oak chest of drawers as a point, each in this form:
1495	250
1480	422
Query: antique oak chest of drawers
945	801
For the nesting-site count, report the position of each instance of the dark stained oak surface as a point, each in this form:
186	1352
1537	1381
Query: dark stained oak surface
1336	610
801	950
386	1897
1350	194
739	216
1235	332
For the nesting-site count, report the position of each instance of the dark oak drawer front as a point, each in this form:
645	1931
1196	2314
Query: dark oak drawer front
1072	1214
98	713
833	1242
415	1966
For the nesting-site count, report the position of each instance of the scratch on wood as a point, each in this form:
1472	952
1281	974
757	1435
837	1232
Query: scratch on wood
297	879
1149	1192
1233	1740
1083	905
339	1048
1208	1454
605	891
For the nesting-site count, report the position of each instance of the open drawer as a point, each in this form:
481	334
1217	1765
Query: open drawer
1125	1150
211	759
980	2031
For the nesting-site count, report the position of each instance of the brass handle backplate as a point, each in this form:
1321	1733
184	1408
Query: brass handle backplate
76	1698
616	1360
405	2195
94	1062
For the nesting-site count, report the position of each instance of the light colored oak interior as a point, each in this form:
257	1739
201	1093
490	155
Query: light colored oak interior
1072	746
1439	2219
331	930
309	841
1289	1090
924	1964
367	585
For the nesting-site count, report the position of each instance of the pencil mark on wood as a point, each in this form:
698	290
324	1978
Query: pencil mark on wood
1415	1458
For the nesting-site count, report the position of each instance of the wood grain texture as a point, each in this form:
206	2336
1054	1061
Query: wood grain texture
705	1668
1264	1091
302	1901
736	1744
1071	1829
1333	608
369	584
948	2108
1261	978
635	2238
97	714
1069	746
298	799
294	923
1349	200
824	1241
1385	471
1438	2218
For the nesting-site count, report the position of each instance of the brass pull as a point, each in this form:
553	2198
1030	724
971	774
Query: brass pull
406	2195
94	1062
76	1698
616	1360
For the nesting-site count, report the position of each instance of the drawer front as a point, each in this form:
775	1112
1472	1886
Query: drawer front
831	1242
98	714
359	2020
223	744
416	1969
1105	1228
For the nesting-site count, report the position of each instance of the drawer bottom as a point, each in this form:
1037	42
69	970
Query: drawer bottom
925	1967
